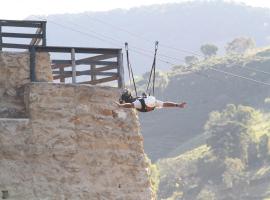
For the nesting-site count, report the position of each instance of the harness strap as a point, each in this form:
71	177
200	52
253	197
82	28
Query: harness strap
144	108
153	71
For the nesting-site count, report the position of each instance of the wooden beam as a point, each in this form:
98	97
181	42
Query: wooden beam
84	62
77	50
103	80
90	62
85	72
61	77
99	69
21	35
98	57
15	46
105	68
62	62
21	23
56	66
36	41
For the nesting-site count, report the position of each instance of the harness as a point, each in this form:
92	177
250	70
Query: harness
144	108
127	98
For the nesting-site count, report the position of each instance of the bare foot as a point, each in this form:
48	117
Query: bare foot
182	105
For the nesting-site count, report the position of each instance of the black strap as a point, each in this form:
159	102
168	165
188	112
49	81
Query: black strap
130	71
144	106
153	72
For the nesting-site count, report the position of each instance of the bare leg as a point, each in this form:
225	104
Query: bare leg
168	104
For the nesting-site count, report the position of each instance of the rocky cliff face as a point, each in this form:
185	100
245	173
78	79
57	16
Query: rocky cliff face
14	74
74	144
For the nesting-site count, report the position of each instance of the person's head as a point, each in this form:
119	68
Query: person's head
126	92
126	96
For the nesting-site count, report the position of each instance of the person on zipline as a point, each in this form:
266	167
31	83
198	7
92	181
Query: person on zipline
145	103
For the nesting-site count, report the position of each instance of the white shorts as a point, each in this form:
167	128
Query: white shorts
150	102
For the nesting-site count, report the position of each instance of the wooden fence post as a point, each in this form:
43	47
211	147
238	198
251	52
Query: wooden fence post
44	40
62	75
32	64
120	70
1	40
73	62
93	73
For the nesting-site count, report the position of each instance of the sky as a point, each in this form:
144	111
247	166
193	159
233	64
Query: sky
20	9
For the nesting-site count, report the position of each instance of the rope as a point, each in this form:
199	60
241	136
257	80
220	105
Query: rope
242	77
130	71
153	71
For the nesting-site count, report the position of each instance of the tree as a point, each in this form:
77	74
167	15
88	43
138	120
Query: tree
253	157
209	50
263	147
234	173
161	81
230	132
240	45
178	67
191	60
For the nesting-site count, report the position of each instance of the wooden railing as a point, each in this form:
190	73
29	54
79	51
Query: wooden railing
105	65
36	38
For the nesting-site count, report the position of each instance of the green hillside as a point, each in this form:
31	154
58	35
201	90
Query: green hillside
169	132
232	164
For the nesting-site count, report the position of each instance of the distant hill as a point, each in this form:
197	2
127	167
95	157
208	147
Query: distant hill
170	132
183	26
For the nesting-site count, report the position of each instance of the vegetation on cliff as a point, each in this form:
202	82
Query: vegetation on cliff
205	90
233	164
222	153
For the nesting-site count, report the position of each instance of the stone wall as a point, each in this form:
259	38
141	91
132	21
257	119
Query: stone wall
14	74
73	142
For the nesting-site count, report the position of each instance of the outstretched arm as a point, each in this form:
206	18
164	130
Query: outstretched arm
125	105
168	104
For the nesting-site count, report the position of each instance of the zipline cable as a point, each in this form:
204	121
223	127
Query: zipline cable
239	76
160	54
255	70
142	38
214	69
121	42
